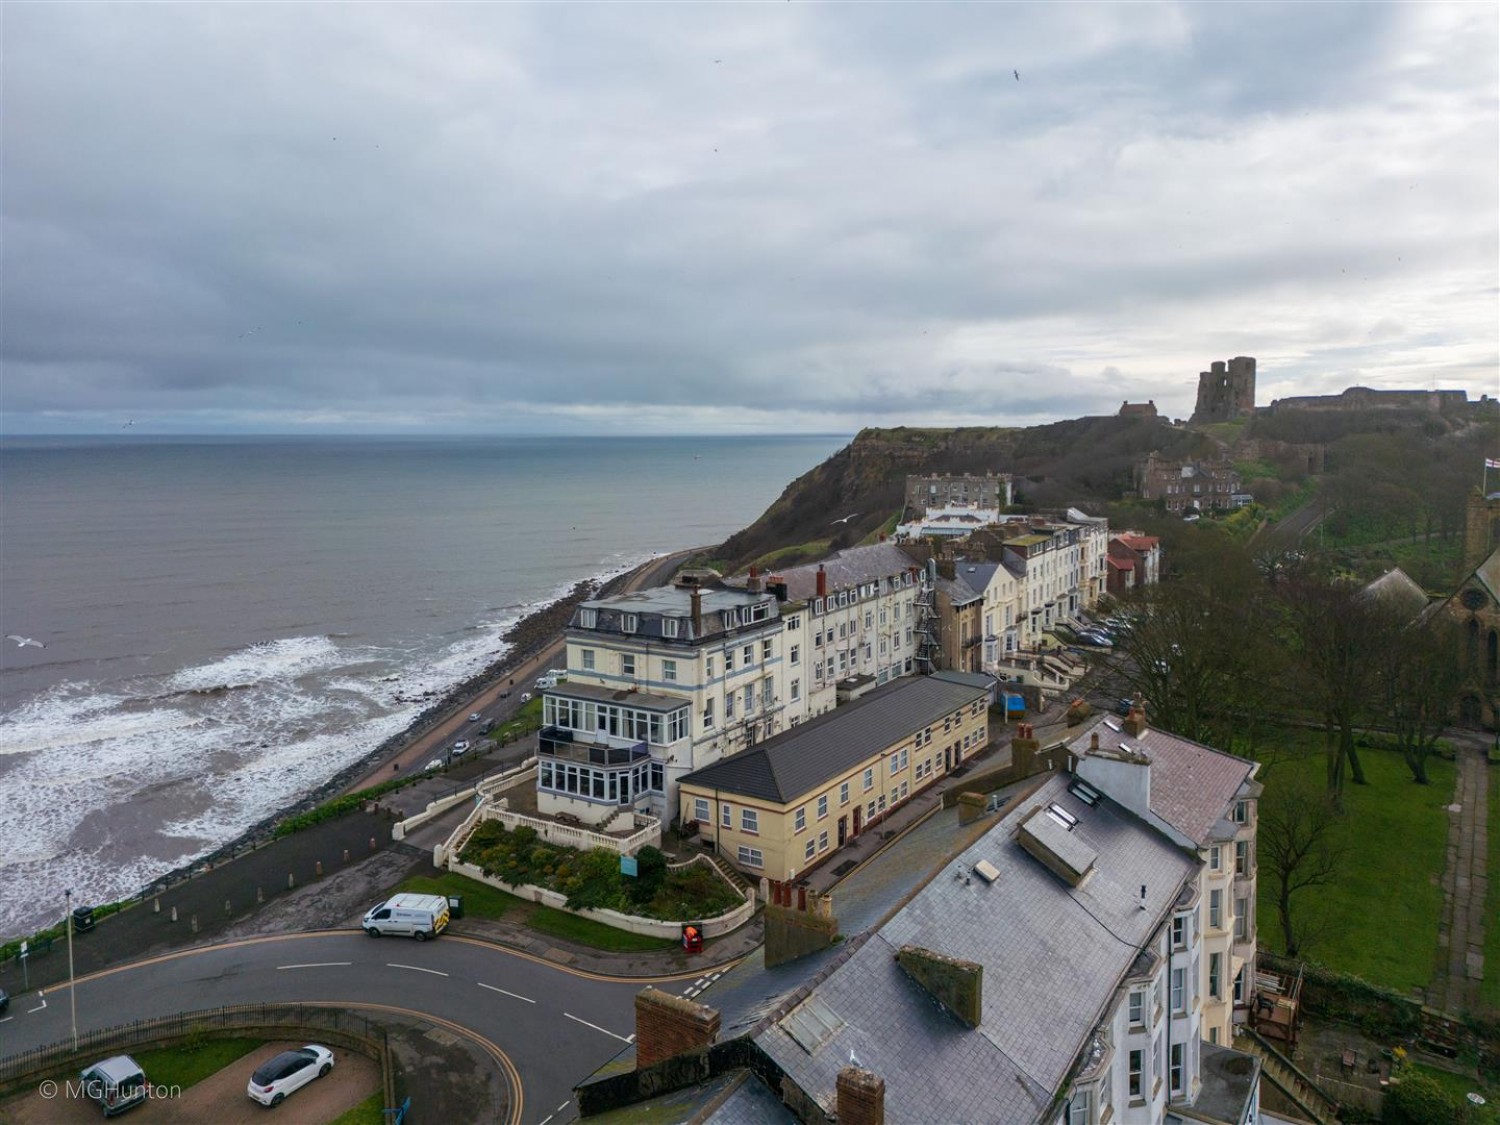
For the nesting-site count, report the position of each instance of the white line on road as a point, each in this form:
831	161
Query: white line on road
414	968
562	1107
548	1118
7	1019
596	1027
517	995
316	965
40	1006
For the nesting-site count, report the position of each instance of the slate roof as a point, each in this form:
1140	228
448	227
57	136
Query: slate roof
849	567
958	590
1396	588
1053	958
1192	785
785	767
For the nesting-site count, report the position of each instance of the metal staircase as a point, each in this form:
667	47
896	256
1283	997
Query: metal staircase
929	648
1284	1075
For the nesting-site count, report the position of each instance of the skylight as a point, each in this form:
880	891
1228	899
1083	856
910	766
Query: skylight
1085	793
1062	816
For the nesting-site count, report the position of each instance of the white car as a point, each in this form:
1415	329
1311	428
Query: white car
287	1072
476	717
435	764
460	747
526	697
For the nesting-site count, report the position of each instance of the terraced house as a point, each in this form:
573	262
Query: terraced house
790	803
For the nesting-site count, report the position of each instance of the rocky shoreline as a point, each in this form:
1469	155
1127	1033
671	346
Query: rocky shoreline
524	639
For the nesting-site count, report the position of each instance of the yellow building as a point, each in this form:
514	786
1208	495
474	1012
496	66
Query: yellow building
786	805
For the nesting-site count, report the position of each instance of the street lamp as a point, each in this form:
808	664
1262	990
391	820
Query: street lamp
72	992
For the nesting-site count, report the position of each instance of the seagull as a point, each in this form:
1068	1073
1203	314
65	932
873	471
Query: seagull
23	641
852	1060
1017	73
847	518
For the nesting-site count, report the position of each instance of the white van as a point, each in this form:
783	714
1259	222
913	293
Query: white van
549	680
409	915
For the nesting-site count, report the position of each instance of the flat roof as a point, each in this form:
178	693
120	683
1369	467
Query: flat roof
644	701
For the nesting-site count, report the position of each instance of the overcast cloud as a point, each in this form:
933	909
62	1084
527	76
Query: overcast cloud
653	218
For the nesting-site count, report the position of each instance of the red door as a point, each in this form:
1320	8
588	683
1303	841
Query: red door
858	817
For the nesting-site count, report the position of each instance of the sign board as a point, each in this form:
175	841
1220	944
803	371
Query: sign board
628	866
24	944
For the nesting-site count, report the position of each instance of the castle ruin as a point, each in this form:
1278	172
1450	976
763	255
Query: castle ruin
1226	391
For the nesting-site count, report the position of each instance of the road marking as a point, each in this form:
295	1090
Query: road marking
596	1027
40	1006
562	1107
316	965
517	995
7	1019
415	969
548	1118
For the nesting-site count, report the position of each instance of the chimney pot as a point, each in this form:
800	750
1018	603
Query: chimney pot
1094	741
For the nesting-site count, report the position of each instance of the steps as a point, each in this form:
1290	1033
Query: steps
1284	1075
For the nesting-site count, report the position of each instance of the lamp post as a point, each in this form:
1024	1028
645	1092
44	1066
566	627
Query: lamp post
72	992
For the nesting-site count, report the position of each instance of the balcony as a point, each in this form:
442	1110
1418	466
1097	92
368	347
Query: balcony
566	745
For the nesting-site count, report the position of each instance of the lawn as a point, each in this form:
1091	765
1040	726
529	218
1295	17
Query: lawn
527	718
1489	988
585	931
480	899
1380	915
1457	1086
185	1065
371	1111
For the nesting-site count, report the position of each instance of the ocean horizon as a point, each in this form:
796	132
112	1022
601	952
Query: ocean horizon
230	621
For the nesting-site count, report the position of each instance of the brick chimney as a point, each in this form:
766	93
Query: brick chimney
822	582
696	600
754	585
667	1026
861	1097
1135	722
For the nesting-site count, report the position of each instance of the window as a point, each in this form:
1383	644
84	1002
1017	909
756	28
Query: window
1216	910
728	706
588	618
844	793
795	656
810	849
749	699
1137	1008
700	810
1239	987
729	660
1179	931
1137	1059
669	671
823	806
794	689
1080	1105
627	664
629	622
1215	976
751	857
708	714
799	820
1241	812
765	649
869	779
767	693
1241	922
586	656
747	655
822	841
1242	857
1216	858
1179	991
726	815
749	821
1177	1050
669	626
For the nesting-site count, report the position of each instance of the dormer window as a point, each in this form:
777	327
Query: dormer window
588	618
629	622
669	626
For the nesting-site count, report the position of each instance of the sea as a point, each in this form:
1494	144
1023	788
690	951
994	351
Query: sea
230	621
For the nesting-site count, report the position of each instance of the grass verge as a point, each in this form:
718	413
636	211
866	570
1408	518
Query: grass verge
371	1111
186	1065
480	900
1378	919
585	931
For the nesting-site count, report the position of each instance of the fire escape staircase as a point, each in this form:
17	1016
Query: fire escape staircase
1282	1073
929	648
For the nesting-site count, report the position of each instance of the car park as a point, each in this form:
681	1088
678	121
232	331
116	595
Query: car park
288	1072
116	1083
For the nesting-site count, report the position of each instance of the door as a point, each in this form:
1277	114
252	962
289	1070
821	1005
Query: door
843	829
858	815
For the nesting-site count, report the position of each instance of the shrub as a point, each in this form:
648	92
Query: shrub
1420	1100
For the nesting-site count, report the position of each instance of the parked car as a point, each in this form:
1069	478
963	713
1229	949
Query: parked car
435	764
289	1072
461	745
526	697
115	1083
476	717
4	1000
1097	639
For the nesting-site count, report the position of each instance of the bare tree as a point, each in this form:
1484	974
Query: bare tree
1421	678
1298	844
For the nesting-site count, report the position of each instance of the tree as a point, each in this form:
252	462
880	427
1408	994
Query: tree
1298	843
1421	678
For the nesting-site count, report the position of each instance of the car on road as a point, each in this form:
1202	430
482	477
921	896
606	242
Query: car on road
1097	639
4	1000
526	697
461	745
435	764
116	1084
288	1072
476	717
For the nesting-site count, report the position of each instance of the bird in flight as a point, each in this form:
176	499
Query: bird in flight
23	641
1017	73
847	518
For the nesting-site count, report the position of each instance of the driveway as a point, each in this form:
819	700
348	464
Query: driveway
220	1098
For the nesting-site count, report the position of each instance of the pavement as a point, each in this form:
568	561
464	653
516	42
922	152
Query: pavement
1459	965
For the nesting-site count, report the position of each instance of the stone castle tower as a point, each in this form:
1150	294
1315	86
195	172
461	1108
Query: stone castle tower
1224	395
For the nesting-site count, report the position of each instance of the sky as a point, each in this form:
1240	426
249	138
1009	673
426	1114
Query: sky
734	218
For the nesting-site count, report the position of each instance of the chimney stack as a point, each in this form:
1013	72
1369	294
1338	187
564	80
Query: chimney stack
696	600
861	1097
667	1026
822	582
1135	722
754	585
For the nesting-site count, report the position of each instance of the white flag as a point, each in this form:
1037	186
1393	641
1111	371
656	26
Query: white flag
1491	463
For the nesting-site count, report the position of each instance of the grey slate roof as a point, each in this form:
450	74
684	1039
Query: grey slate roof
785	767
1192	785
1053	957
849	567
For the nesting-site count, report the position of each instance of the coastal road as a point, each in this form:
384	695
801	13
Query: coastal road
489	701
553	1024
